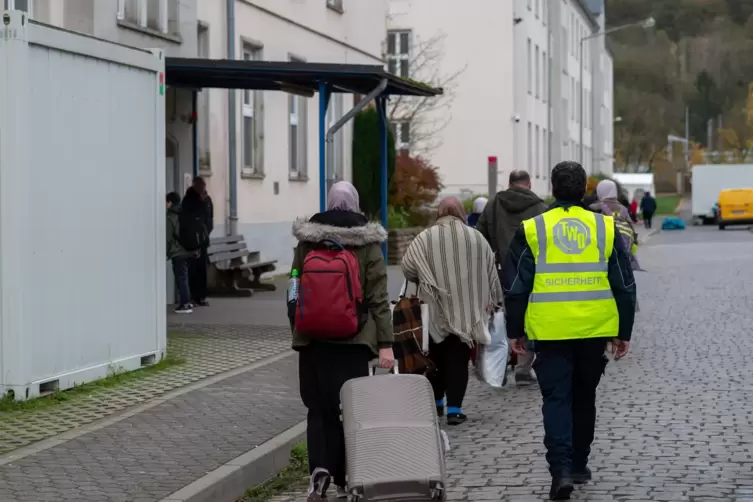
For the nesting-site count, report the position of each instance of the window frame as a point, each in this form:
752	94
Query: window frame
298	118
530	67
252	106
398	57
11	5
536	61
142	15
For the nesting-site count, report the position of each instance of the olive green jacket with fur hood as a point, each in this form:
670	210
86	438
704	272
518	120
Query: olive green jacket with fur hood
354	232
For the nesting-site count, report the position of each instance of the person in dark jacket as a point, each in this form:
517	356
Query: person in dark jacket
498	223
324	366
177	254
478	207
197	202
559	291
648	208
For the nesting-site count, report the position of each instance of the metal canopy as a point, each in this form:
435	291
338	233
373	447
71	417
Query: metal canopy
288	76
371	81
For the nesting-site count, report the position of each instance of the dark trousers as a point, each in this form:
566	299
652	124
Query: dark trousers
197	276
569	372
323	369
648	217
451	377
180	272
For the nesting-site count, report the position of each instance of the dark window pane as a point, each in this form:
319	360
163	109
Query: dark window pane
391	43
404	43
405	132
248	141
392	66
294	148
404	68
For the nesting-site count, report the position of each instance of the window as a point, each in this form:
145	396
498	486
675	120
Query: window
402	132
544	81
537	153
335	5
336	150
530	147
565	112
545	152
564	49
398	53
538	6
252	117
158	15
548	160
24	5
544	11
529	4
530	68
298	135
203	125
538	73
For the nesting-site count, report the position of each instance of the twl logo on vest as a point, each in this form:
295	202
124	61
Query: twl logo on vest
571	236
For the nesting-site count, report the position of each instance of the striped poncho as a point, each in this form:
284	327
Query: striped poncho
454	267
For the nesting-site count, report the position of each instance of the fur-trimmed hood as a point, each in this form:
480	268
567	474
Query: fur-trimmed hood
306	230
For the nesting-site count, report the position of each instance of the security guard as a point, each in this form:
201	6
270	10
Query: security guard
569	287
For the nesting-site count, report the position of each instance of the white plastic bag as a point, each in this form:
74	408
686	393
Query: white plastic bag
491	360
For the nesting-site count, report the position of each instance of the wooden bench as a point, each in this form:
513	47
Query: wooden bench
234	270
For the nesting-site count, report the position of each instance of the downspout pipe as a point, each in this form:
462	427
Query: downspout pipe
232	167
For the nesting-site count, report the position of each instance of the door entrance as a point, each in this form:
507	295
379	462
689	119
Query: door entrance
172	184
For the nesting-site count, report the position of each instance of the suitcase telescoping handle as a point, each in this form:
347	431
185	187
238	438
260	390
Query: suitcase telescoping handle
374	364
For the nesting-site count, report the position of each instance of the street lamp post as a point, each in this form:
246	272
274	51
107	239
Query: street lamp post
645	24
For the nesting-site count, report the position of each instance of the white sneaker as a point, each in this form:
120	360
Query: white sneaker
318	484
184	309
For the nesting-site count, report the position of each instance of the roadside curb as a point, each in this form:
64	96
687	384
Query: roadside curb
230	481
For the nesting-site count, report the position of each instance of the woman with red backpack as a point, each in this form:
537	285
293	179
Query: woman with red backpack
341	321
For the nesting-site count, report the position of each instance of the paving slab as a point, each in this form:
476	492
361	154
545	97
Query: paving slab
154	453
207	350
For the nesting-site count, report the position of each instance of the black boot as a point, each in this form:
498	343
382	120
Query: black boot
561	488
581	476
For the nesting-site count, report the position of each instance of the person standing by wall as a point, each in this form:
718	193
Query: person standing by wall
177	254
498	223
456	275
648	208
198	212
478	207
568	285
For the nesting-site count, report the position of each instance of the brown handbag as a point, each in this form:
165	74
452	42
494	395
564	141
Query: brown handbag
408	329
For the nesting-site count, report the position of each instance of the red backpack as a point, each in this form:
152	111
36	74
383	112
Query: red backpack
330	296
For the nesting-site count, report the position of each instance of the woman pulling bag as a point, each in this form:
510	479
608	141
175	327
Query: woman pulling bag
454	267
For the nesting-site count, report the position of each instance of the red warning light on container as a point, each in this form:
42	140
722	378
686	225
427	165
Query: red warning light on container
492	158
161	78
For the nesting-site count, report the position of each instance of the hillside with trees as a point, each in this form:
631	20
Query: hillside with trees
699	55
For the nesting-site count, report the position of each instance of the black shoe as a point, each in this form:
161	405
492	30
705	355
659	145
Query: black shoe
456	418
561	489
581	476
202	303
440	411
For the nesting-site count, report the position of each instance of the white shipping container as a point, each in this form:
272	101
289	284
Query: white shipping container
82	214
710	179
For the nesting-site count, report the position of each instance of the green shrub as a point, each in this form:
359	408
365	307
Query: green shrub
398	217
367	160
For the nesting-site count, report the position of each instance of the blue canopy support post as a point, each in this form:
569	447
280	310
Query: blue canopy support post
195	131
382	109
325	91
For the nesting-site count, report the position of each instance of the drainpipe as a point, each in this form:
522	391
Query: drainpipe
232	171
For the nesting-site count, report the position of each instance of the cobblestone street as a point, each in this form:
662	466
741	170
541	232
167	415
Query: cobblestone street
675	418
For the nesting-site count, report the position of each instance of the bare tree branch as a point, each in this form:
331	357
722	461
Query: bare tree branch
427	116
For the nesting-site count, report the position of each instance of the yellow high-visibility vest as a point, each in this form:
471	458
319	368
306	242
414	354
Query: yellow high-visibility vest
571	297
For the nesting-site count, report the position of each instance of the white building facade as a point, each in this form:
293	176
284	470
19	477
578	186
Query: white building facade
525	95
277	133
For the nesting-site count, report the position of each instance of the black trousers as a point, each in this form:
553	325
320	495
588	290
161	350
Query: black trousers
451	377
197	276
569	372
648	218
323	368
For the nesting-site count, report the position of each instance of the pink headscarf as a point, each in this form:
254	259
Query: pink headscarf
343	196
451	206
